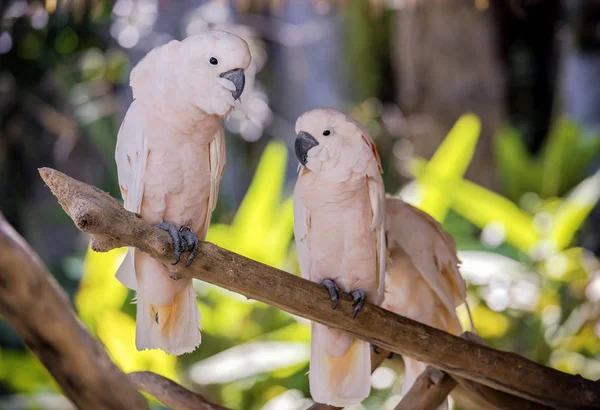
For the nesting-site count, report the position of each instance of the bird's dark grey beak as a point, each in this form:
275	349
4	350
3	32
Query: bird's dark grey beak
238	79
304	142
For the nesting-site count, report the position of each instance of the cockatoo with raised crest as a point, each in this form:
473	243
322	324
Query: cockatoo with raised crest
170	158
423	282
339	211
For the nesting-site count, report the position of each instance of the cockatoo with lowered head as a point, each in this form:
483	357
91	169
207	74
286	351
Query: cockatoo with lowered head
339	211
423	282
170	158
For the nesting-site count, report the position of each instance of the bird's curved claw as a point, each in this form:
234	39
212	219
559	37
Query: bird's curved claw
175	237
190	239
334	291
358	296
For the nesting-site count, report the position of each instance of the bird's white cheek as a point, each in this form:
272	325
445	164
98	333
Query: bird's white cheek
220	102
314	165
315	157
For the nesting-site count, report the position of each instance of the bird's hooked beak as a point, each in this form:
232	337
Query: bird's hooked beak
238	79
304	142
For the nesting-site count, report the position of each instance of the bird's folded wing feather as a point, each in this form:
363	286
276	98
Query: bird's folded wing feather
301	230
131	157
377	199
217	157
438	266
376	191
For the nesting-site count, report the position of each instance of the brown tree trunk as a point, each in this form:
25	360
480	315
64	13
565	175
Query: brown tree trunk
446	65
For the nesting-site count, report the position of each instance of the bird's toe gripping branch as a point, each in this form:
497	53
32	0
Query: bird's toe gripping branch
179	244
184	240
190	239
334	291
358	296
377	350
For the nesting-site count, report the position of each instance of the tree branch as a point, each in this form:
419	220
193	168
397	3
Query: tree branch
39	311
430	389
170	393
485	396
111	226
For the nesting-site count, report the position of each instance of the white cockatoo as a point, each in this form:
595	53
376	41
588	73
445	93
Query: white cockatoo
339	212
422	282
170	158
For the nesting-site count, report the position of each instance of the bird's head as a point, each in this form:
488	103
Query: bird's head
215	62
327	138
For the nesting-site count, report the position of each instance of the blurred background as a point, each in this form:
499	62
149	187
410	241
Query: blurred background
485	114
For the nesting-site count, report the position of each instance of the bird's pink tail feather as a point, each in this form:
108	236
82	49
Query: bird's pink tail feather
339	381
167	316
173	328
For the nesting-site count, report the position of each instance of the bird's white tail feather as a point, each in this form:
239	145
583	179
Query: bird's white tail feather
126	272
412	370
338	381
173	328
167	316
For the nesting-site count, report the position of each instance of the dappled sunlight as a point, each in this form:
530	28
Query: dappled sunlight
248	360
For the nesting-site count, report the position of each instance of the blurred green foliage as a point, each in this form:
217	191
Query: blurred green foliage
263	225
558	329
562	163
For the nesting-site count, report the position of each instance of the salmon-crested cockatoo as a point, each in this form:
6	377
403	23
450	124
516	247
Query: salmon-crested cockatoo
170	158
339	212
422	282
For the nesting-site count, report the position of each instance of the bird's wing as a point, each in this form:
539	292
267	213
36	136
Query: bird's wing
377	199
376	191
302	225
217	158
432	250
131	156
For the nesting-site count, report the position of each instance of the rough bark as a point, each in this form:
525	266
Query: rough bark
110	225
430	389
36	307
445	64
170	393
477	395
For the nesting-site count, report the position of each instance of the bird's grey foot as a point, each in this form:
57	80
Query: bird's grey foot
359	300
334	291
377	350
176	237
190	240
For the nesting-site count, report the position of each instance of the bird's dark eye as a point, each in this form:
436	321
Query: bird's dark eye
213	61
326	132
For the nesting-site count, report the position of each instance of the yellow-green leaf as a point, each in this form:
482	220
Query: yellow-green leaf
99	290
573	211
117	331
448	165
